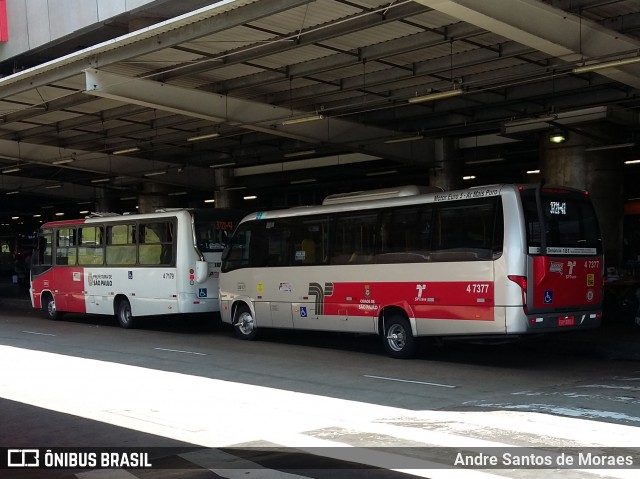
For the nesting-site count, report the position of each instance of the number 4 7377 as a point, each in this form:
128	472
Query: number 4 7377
477	288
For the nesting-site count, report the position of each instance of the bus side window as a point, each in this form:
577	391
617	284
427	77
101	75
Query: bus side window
354	239
156	246
405	235
310	237
42	256
120	249
66	252
90	249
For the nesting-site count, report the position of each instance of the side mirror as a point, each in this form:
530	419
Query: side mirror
202	271
225	252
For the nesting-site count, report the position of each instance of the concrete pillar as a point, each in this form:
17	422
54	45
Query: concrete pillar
599	172
225	198
105	201
447	169
153	197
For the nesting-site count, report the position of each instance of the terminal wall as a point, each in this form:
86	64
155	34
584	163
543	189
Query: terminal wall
35	23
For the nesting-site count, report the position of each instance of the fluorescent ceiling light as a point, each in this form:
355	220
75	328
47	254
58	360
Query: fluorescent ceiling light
440	95
610	147
632	162
381	173
203	137
302	119
125	151
37	216
485	161
470	177
210	200
222	165
250	197
404	138
11	170
12	192
300	182
533	172
601	66
60	213
100	180
308	163
63	161
51	187
294	154
83	212
156	173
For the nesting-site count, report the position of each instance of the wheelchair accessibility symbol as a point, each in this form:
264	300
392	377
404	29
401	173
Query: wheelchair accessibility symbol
202	293
303	311
548	296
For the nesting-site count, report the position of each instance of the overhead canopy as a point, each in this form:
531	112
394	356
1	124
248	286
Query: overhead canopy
310	97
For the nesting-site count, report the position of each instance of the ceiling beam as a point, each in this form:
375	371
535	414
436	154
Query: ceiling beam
245	114
556	32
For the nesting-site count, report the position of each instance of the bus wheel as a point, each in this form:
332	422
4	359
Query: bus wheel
244	324
50	308
123	313
398	340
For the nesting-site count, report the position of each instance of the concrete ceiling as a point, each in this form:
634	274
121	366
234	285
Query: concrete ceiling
242	70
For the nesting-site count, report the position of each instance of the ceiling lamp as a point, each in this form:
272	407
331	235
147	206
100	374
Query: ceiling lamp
601	66
203	137
403	139
125	151
11	170
62	161
440	95
557	136
302	119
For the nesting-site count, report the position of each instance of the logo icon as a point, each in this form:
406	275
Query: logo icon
548	296
202	292
303	311
23	457
130	274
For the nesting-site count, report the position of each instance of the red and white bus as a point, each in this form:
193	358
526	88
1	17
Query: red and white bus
490	261
160	263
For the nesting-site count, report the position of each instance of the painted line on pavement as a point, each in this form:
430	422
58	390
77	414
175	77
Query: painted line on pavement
410	381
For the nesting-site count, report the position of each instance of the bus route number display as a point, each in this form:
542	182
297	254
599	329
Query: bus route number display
558	208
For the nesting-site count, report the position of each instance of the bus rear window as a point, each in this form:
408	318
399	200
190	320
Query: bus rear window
568	221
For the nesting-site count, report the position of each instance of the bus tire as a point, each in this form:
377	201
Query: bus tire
50	308
397	337
123	314
244	324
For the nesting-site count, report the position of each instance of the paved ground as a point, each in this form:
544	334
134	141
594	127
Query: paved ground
619	336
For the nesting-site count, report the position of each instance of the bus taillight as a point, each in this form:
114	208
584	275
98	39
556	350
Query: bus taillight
522	282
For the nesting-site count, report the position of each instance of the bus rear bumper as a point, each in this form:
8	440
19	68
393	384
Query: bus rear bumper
556	321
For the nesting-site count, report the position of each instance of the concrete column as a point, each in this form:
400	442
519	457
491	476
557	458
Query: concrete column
153	197
447	169
224	197
599	172
105	201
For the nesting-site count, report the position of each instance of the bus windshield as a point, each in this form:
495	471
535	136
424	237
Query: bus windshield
213	228
568	218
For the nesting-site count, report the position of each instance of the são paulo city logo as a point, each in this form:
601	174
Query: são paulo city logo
99	279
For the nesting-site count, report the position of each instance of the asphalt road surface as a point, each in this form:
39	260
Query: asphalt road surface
194	402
